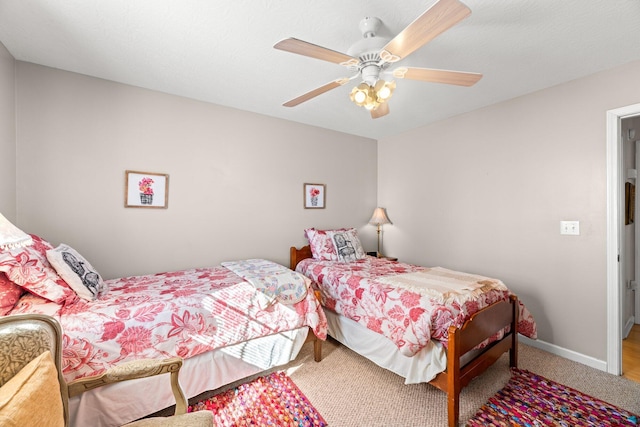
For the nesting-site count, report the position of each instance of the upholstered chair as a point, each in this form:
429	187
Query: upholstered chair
33	391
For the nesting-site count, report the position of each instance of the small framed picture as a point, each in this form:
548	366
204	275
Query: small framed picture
146	190
314	196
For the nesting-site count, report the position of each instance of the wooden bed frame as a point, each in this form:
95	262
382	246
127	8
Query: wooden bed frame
479	327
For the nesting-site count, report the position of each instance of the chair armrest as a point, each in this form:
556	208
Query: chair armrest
134	370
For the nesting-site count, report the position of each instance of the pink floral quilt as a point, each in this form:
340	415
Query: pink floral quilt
370	291
182	313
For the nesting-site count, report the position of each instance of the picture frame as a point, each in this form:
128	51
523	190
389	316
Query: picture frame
146	190
314	196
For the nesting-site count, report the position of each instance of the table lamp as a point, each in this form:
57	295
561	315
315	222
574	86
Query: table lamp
379	218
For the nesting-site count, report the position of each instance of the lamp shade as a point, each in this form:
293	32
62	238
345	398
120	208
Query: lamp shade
11	236
379	217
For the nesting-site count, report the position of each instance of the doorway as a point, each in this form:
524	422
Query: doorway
617	253
630	298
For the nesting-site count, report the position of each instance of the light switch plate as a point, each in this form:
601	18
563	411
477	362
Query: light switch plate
571	228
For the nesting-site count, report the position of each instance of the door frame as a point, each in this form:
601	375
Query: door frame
615	247
636	246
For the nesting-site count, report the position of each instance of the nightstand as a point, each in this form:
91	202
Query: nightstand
390	258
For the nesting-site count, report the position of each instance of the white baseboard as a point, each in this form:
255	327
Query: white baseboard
563	352
627	327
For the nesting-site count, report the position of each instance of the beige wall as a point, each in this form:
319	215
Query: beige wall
7	135
485	192
235	177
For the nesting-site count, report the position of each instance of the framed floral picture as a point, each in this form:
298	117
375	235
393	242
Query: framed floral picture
314	196
146	190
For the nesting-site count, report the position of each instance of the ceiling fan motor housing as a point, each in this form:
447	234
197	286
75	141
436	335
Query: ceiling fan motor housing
370	73
367	50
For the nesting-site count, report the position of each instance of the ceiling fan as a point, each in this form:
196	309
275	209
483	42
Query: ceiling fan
371	57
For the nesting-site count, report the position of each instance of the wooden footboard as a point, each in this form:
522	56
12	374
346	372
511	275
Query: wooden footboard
478	328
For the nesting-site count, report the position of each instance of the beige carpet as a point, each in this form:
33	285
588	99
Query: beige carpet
348	390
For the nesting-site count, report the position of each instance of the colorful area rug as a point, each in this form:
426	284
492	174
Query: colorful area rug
272	400
531	400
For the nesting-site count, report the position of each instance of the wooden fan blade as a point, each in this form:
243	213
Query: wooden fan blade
382	110
318	91
443	15
459	78
314	51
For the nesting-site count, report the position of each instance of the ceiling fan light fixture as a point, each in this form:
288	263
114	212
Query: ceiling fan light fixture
371	105
370	97
361	94
384	90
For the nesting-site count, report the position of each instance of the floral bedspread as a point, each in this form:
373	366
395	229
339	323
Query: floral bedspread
409	316
182	313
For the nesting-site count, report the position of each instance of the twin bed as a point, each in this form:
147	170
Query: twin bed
240	318
226	322
429	325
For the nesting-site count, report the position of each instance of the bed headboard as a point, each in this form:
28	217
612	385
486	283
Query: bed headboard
296	255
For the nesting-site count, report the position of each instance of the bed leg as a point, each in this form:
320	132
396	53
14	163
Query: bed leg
453	407
317	350
513	351
453	377
317	345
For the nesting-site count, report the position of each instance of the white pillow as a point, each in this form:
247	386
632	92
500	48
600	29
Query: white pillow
77	272
347	245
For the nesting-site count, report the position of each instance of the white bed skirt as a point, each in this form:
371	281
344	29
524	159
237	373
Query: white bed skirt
121	403
422	367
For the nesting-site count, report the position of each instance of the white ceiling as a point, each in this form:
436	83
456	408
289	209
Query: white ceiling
221	51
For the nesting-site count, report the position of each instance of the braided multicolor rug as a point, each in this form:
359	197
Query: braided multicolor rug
531	400
272	400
